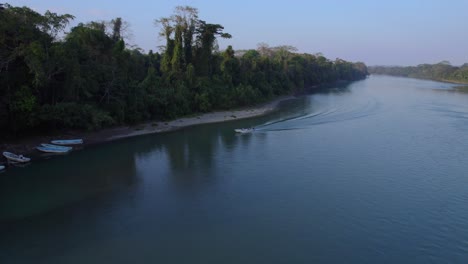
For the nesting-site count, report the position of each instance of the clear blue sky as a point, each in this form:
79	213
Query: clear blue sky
396	32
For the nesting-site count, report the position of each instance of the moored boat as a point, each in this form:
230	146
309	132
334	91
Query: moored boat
52	149
11	157
67	142
56	147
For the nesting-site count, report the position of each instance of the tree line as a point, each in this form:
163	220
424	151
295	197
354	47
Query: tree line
442	71
88	78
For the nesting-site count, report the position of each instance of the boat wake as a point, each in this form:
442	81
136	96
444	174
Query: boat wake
325	115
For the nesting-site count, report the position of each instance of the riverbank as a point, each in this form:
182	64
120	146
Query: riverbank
421	78
183	122
438	80
27	146
451	81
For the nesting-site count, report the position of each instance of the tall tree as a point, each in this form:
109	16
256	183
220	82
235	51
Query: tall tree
206	37
167	29
178	54
116	28
187	19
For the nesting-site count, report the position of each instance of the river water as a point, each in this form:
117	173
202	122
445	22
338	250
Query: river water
372	172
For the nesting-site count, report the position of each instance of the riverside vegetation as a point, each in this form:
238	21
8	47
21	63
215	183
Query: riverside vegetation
441	71
89	78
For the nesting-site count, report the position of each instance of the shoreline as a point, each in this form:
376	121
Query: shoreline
27	146
453	82
428	79
112	134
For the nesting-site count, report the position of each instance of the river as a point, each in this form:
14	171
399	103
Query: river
372	172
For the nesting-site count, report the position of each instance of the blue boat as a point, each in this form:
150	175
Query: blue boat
67	142
56	147
53	149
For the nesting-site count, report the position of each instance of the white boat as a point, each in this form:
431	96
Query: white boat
244	130
67	142
2	167
15	158
56	147
53	149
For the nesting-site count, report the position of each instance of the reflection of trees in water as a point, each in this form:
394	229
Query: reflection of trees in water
189	151
331	88
449	89
190	154
462	89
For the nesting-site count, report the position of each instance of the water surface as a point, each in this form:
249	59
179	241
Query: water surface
373	172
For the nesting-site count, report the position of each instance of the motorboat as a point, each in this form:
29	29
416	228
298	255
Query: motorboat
244	130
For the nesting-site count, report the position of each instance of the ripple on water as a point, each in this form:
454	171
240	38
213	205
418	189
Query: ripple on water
332	113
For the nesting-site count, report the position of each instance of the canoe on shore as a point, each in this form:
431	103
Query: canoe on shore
56	147
52	149
67	142
15	158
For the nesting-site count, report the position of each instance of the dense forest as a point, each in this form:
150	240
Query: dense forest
441	71
88	78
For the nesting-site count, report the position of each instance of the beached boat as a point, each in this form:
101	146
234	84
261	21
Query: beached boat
56	147
11	157
67	142
52	149
244	130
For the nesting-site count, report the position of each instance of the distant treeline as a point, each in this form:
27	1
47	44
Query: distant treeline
442	71
89	78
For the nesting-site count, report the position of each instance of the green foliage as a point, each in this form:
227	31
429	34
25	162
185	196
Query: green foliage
75	116
202	102
245	95
90	79
23	108
442	71
206	37
461	74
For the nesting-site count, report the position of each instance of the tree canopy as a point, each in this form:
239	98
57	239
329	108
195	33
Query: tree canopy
88	78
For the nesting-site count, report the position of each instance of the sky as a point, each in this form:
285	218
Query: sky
396	32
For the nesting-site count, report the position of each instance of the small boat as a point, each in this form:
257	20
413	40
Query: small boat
11	157
52	149
244	130
2	167
56	147
67	142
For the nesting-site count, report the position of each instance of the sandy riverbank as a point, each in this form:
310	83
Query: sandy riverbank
27	146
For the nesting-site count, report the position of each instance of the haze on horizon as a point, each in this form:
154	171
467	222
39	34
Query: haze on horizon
395	32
